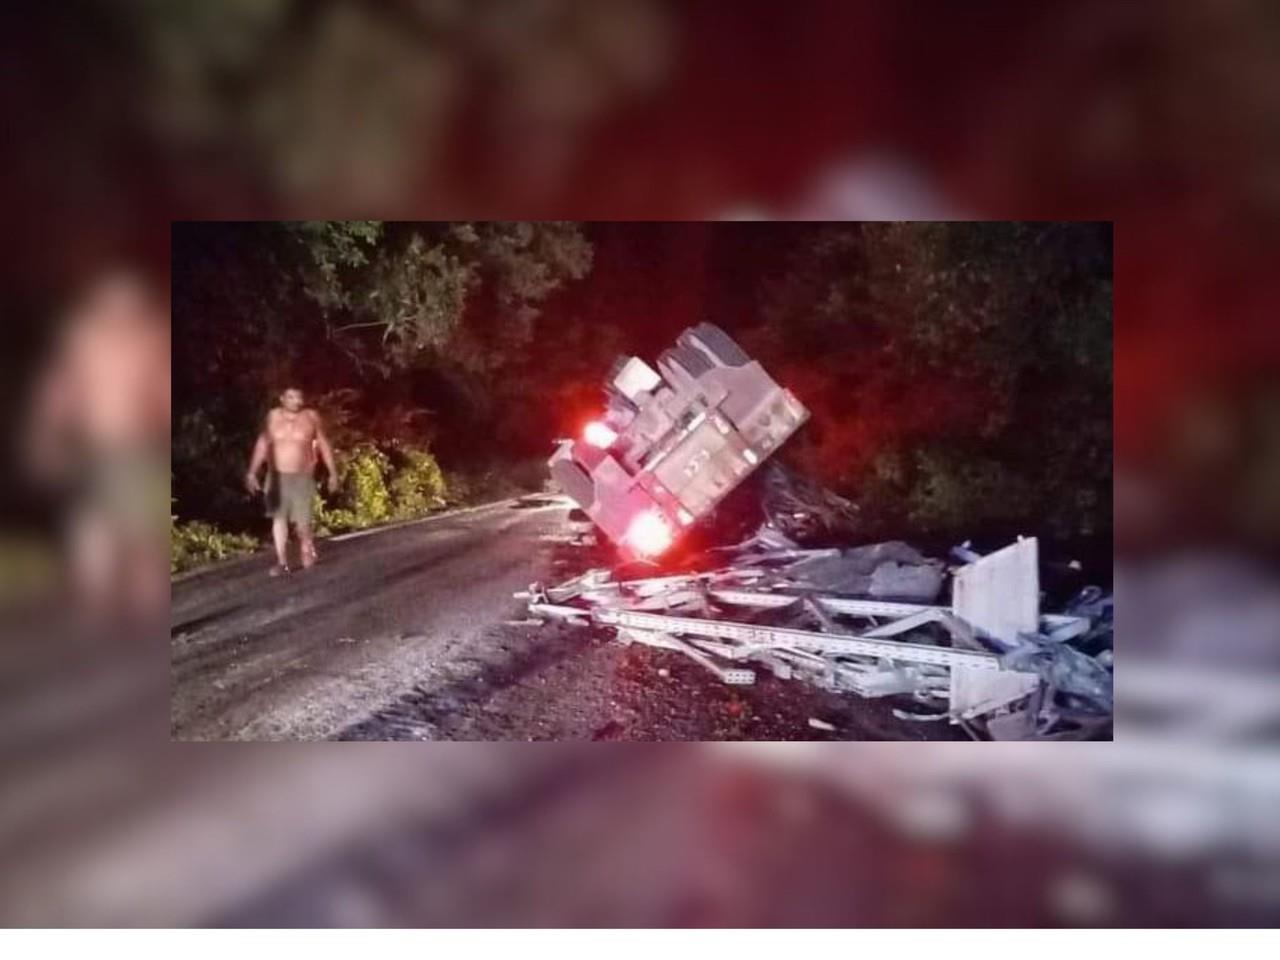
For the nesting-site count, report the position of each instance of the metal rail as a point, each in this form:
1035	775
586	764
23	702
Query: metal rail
757	635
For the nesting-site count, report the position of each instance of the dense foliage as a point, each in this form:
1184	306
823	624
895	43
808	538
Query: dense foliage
197	543
959	374
393	331
970	366
380	485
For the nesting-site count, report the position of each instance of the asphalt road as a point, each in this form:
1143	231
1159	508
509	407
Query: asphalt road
412	633
304	656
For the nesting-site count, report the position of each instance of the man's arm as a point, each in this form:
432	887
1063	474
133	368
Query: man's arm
256	462
326	453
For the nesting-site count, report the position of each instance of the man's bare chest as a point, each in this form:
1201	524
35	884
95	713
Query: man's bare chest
292	429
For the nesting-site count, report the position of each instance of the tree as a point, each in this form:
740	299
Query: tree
367	316
960	373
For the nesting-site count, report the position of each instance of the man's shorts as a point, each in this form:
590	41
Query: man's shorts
291	495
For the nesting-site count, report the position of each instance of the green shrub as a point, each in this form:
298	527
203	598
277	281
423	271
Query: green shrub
196	543
417	483
400	483
363	499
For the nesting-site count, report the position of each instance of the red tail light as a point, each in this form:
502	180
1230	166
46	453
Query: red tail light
599	435
649	534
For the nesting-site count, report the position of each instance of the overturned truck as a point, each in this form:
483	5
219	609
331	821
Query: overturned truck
858	619
673	442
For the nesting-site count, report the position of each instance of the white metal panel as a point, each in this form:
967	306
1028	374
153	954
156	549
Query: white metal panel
999	595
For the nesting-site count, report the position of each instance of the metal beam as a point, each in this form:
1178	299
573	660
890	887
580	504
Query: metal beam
852	608
769	637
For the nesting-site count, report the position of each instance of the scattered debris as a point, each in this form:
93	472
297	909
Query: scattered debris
822	725
794	598
991	661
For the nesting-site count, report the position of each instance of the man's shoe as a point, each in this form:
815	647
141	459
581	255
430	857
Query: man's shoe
279	570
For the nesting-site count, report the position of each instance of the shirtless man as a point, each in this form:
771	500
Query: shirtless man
289	439
99	431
